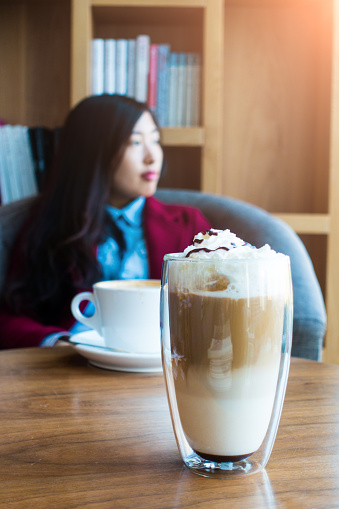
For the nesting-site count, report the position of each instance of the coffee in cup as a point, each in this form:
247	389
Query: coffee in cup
126	314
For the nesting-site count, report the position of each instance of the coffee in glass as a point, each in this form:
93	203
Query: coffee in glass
226	319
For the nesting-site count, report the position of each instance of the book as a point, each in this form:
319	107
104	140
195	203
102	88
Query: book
121	66
163	84
189	90
173	88
18	156
26	163
110	66
98	66
153	78
5	186
196	100
11	154
141	67
17	177
181	91
131	68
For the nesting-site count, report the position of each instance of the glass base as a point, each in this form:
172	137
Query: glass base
222	469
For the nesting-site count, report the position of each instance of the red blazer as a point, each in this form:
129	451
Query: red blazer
168	229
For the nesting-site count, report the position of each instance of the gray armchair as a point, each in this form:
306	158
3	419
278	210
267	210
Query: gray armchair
250	223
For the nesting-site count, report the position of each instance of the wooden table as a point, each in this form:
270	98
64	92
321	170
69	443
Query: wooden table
75	436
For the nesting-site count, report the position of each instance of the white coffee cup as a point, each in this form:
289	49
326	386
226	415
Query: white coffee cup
127	314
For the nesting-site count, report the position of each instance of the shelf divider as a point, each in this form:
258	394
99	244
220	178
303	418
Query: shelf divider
182	136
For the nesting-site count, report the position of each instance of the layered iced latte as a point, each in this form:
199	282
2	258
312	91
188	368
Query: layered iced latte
226	311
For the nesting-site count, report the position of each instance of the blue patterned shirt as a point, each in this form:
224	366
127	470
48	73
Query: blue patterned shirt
133	262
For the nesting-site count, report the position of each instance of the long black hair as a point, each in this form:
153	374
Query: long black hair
57	247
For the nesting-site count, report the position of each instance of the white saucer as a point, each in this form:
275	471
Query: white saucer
91	346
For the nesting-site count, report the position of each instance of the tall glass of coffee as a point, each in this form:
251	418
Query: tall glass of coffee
226	322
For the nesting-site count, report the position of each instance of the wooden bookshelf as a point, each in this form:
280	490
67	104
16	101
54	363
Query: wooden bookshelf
183	136
315	224
270	99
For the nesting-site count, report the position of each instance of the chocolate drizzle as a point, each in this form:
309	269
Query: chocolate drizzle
211	232
207	232
205	249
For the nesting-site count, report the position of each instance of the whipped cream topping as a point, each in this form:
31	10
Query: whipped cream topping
224	244
228	279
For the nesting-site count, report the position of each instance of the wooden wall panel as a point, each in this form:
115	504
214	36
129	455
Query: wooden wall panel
275	81
324	59
35	61
48	63
12	58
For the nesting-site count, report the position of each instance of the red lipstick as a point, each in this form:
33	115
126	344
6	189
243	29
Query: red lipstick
150	175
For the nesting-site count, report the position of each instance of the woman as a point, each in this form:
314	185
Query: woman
96	219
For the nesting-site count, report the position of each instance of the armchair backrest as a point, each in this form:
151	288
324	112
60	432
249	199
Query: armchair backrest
12	217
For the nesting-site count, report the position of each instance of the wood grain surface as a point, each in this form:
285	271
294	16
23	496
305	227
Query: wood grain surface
75	436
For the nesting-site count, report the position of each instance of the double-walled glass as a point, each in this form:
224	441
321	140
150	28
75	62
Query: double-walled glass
226	345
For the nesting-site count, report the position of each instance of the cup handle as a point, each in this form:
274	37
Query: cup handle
91	321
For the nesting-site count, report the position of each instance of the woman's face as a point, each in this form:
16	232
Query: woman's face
139	170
